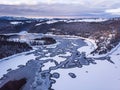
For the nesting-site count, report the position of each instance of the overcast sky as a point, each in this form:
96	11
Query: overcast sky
60	8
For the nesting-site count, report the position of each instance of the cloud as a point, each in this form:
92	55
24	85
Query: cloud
14	2
82	2
113	11
47	10
53	8
18	2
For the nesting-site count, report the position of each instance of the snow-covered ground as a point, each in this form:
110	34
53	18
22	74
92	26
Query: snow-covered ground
13	63
87	20
91	46
38	24
57	58
15	23
51	21
103	76
78	20
73	20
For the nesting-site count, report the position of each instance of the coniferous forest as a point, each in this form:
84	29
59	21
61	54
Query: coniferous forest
8	48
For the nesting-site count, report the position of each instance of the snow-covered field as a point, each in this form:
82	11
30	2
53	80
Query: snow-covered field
102	76
14	62
59	58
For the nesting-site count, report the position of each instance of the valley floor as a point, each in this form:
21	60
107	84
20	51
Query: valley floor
66	65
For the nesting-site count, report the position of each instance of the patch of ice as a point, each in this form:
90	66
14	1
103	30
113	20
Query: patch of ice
67	54
48	54
57	58
48	65
45	50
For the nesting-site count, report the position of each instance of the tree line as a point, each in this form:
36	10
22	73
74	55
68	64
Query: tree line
8	48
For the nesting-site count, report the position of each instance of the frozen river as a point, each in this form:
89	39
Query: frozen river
66	58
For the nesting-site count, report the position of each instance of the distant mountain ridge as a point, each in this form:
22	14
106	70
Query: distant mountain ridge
72	26
12	18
